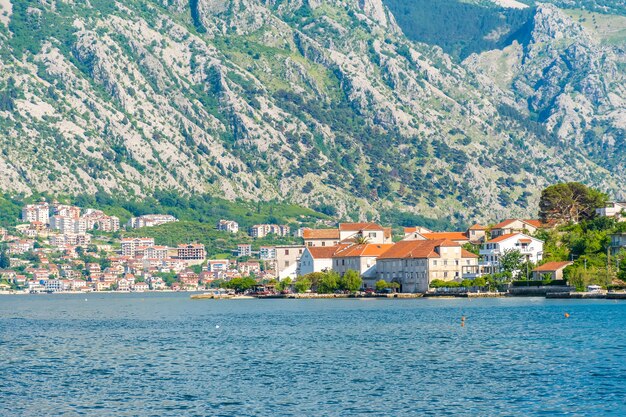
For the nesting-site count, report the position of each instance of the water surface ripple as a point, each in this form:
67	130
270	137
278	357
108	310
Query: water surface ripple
163	354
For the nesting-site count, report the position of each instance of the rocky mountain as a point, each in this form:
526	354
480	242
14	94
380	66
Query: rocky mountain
330	104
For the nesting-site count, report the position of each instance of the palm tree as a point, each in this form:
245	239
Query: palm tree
360	239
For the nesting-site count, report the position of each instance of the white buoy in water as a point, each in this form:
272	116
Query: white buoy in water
217	327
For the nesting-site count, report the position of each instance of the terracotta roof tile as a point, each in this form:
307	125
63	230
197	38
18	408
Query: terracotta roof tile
552	266
467	254
503	238
323	252
320	233
446	235
416	249
370	249
356	227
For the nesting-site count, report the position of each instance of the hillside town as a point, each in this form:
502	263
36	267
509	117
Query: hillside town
57	248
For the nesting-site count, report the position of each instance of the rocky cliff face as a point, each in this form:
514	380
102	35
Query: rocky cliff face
570	79
323	103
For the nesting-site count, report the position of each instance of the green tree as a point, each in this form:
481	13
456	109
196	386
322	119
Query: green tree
5	261
284	284
302	284
240	285
467	283
351	281
480	282
329	283
381	284
510	260
360	240
570	202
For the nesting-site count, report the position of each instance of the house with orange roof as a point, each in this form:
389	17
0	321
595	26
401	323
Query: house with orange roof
510	226
414	264
416	229
529	247
320	237
316	259
374	233
477	233
360	258
552	270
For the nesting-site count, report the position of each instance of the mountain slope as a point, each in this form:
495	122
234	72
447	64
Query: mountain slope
314	102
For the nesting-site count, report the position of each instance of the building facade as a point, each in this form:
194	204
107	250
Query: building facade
530	248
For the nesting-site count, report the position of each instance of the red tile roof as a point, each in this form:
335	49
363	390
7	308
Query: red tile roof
552	266
369	249
503	237
531	222
477	227
357	227
467	254
320	233
446	236
416	249
323	252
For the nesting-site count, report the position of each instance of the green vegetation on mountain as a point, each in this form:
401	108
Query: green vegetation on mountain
329	105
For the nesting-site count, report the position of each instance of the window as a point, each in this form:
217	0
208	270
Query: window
445	275
286	251
372	234
445	262
323	243
434	263
456	262
343	262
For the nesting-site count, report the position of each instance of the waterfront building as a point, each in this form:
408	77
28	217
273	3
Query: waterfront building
316	259
359	258
287	257
414	264
491	251
550	270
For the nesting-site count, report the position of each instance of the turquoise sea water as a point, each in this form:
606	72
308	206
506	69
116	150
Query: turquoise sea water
163	354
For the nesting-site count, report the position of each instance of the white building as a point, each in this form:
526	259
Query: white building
39	212
130	246
244	249
360	258
372	231
530	248
267	253
616	210
150	220
316	259
287	258
414	264
228	226
262	230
